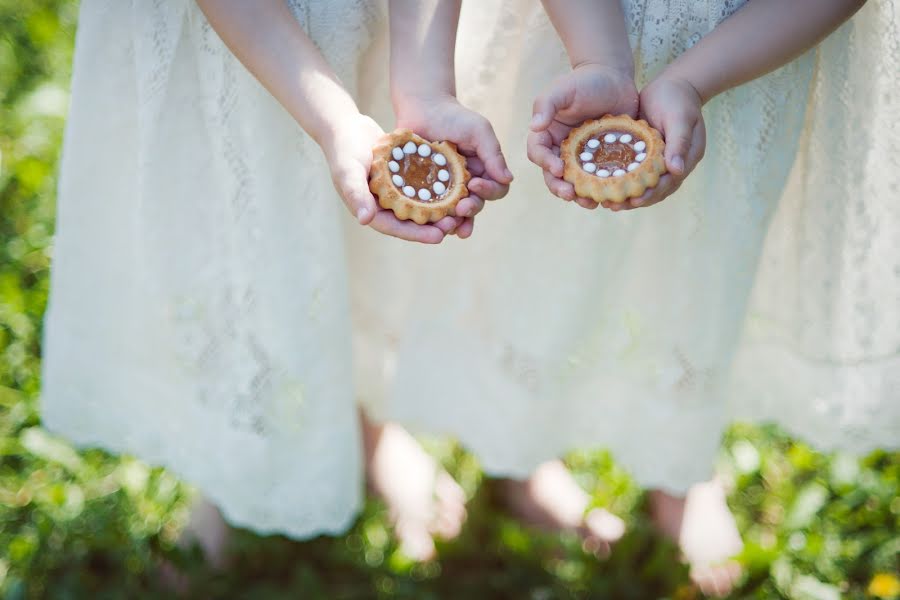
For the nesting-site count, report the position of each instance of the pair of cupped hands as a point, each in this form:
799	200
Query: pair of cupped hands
588	91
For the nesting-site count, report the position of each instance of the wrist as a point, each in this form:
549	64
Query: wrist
325	114
333	130
412	108
621	68
683	80
688	88
411	91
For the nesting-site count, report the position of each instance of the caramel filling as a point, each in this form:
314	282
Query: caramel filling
419	172
612	156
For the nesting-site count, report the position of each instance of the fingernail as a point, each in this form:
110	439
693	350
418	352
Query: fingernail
362	214
508	174
637	201
678	163
536	120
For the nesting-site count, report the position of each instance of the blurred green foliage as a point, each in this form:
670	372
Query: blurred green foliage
78	524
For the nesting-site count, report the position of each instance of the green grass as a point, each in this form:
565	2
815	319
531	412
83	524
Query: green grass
89	524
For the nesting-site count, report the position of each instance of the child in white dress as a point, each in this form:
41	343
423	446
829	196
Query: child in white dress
556	328
199	313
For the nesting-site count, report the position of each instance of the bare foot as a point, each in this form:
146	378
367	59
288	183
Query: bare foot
422	499
207	529
551	499
703	527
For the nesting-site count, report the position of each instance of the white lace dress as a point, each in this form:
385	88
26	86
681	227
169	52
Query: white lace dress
198	311
554	328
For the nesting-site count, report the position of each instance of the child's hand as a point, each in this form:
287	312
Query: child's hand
444	118
672	106
348	150
589	91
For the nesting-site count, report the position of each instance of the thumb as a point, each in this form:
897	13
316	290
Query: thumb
678	143
351	182
549	103
487	147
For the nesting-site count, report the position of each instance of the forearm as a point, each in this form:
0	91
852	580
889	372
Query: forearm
593	32
268	40
423	45
760	37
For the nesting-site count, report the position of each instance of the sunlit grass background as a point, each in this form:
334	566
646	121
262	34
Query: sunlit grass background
85	524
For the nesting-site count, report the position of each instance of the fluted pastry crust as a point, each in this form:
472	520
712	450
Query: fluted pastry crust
391	197
631	184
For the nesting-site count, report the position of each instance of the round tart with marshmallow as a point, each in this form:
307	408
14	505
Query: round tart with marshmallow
613	158
418	179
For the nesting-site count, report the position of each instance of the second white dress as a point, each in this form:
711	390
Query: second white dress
555	328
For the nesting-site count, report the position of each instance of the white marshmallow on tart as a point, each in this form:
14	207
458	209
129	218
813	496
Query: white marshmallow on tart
394	166
590	167
424	194
398	181
410	148
444	175
424	150
440	160
409	191
439	188
397	153
640	146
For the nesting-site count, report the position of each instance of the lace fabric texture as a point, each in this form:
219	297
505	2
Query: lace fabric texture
206	277
198	312
820	352
554	328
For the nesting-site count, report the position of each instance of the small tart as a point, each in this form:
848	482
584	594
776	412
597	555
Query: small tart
417	179
613	158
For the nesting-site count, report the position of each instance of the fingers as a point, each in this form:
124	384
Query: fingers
550	102
465	230
670	182
387	223
473	164
540	152
448	224
679	135
487	189
586	203
487	147
666	186
540	148
469	207
558	187
352	182
698	147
